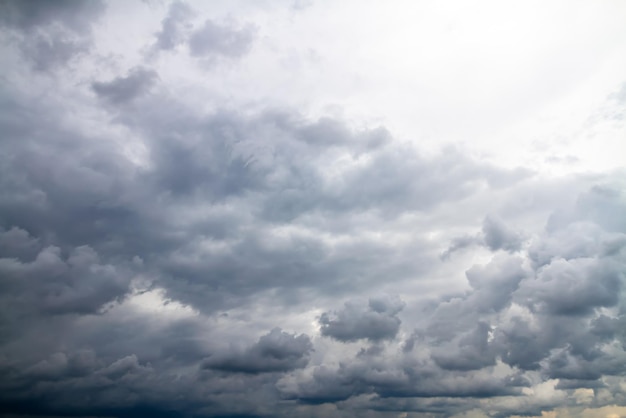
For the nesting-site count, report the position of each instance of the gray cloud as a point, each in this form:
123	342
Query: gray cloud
210	42
247	176
16	243
474	351
174	27
495	235
573	287
542	315
50	34
276	351
499	237
130	284
38	13
50	51
124	89
51	284
493	285
376	321
215	40
388	380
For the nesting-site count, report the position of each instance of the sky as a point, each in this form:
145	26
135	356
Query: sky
312	208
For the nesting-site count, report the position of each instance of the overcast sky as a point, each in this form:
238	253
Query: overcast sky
312	209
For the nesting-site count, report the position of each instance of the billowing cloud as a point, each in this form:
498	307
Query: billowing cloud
499	236
263	237
495	235
53	285
376	321
276	351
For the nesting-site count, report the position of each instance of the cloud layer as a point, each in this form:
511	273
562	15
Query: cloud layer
175	243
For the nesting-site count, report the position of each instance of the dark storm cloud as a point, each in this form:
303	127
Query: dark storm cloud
82	384
568	365
473	351
93	194
69	200
263	163
232	220
388	379
376	321
60	365
16	243
276	351
54	284
100	198
247	176
124	89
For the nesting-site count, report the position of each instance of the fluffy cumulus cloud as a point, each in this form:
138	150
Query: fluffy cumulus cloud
245	209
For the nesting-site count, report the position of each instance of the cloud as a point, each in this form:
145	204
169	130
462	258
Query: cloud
388	380
213	40
460	243
573	287
210	42
498	236
238	218
16	243
52	51
50	34
495	235
33	14
276	351
374	322
174	27
124	89
158	217
474	351
51	284
231	211
493	285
